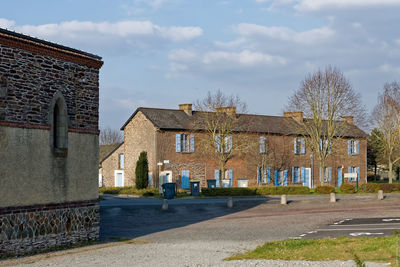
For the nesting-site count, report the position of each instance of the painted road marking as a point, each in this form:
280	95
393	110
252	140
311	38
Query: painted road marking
364	229
342	221
390	220
366	233
351	225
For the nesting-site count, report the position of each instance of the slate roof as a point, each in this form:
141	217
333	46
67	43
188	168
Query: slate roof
174	119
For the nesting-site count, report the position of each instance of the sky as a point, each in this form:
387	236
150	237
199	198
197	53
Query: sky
161	53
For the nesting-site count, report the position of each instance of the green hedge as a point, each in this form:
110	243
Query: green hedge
369	188
347	188
255	191
128	190
325	189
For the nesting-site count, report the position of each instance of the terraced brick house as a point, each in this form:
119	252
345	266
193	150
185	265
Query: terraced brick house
49	98
281	156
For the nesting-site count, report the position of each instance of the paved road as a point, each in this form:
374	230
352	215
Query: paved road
202	232
360	227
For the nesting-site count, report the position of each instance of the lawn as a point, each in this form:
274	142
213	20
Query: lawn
378	249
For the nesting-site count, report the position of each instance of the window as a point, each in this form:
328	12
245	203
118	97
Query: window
225	145
263	175
295	174
58	119
299	145
121	161
327	175
263	145
353	147
184	143
323	143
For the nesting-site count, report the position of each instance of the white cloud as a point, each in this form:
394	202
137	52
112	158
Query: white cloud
5	23
244	58
285	34
317	5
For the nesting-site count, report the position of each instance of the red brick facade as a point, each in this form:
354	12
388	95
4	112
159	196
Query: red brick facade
142	134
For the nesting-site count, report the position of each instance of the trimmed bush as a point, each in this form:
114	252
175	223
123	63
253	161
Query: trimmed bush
236	191
387	188
347	188
141	171
280	190
128	190
325	189
370	188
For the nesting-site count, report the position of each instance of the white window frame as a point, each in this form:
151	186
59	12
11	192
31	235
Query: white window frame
121	162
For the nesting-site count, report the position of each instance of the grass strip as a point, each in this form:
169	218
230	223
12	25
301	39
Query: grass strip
377	249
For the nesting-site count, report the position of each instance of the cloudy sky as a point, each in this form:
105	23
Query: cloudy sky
159	53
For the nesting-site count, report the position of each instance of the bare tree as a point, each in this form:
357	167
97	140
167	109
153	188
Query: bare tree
223	127
110	136
325	97
386	115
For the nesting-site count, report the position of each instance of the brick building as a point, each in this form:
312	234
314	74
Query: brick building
280	157
49	97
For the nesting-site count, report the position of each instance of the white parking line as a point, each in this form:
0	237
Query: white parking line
364	229
351	225
365	233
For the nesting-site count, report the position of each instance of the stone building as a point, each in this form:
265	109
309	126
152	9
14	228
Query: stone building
280	156
49	102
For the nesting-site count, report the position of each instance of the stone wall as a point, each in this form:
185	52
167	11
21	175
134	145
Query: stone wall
35	228
109	165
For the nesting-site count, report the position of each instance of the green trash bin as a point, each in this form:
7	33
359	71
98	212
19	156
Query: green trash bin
195	188
168	190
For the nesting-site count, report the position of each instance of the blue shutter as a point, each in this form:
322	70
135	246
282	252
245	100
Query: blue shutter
230	173
339	177
295	145
285	181
258	175
330	173
192	143
216	176
349	147
349	169
293	176
276	178
185	179
230	143
303	146
302	174
358	147
178	143
269	175
358	173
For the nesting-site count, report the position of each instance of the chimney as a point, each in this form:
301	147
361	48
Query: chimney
348	119
187	108
297	116
228	110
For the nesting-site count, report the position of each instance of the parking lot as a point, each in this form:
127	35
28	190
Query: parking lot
202	232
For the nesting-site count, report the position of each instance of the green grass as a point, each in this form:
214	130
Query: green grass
377	249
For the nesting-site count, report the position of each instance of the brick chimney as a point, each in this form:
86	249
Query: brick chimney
348	119
227	110
297	116
187	108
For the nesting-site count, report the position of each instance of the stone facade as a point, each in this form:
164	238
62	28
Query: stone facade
26	229
109	164
49	101
145	133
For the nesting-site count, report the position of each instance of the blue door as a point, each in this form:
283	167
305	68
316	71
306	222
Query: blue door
339	177
185	179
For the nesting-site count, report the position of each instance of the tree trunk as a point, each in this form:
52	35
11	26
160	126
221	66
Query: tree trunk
390	172
222	176
375	167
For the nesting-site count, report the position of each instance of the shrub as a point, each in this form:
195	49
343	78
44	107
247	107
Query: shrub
236	191
347	188
387	188
141	171
325	189
370	188
128	190
279	190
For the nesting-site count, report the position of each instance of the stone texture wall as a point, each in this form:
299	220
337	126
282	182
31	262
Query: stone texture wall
109	165
139	135
28	82
35	228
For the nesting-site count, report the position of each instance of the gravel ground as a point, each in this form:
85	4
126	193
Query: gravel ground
203	235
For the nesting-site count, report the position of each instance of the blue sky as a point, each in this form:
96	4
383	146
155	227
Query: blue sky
160	53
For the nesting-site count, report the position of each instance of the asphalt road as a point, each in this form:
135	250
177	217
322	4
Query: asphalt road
357	227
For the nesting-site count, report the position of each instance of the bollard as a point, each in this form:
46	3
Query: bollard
283	200
333	198
229	202
380	194
165	204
